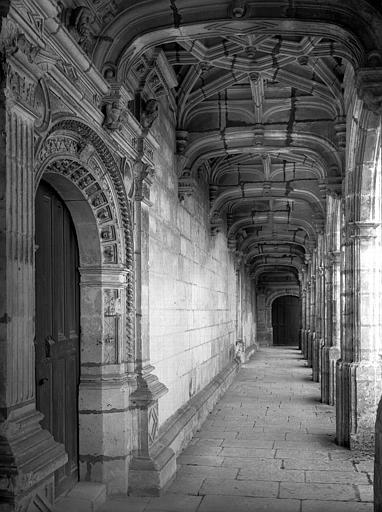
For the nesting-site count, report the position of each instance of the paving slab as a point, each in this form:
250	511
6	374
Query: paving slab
267	446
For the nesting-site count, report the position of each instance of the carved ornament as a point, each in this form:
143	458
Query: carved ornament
115	106
79	21
76	161
143	179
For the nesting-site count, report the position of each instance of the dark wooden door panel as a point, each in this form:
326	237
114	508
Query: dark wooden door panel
286	320
57	327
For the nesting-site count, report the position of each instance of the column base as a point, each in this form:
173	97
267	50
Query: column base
329	357
29	457
151	475
357	395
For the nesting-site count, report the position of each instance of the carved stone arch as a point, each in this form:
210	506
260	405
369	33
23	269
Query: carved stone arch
73	153
60	157
281	293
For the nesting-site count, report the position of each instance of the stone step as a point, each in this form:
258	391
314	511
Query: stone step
84	497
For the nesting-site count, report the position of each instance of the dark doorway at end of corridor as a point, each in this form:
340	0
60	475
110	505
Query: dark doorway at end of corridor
286	315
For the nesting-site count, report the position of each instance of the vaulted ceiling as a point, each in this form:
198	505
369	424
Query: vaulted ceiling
259	102
263	117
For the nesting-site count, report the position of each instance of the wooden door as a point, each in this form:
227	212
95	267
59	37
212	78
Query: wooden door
57	327
286	320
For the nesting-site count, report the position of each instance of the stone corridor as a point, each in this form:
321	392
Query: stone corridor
268	445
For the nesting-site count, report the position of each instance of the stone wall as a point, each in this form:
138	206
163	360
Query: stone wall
192	291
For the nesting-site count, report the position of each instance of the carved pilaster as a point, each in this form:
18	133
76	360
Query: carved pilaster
29	455
149	468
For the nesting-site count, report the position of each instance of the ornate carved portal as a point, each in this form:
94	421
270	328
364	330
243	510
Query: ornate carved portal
83	160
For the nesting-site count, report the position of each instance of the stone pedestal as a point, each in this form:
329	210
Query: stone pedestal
358	391
153	465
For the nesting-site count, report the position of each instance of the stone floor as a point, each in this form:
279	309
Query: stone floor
267	446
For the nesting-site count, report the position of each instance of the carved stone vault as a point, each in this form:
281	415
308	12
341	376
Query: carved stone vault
260	121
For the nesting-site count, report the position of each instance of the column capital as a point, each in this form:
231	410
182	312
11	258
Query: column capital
369	87
186	186
364	230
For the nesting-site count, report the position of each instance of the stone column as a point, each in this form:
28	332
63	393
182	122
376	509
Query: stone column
239	291
331	349
307	307
359	384
29	455
312	317
318	338
152	465
303	314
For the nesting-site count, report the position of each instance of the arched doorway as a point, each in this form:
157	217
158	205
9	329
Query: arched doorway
57	327
286	311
